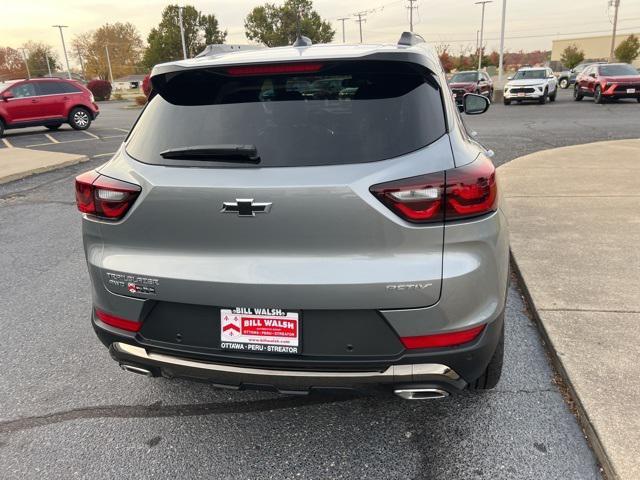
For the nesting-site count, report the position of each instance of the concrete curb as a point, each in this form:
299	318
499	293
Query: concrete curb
581	412
6	178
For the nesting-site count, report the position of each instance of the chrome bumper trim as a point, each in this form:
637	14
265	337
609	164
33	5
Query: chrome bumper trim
423	372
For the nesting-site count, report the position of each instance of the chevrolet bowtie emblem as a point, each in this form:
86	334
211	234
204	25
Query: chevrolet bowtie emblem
245	207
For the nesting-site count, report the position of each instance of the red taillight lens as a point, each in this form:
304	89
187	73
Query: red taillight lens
471	190
104	197
118	322
278	68
417	199
440	340
455	194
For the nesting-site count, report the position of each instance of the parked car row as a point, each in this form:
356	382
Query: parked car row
610	81
47	102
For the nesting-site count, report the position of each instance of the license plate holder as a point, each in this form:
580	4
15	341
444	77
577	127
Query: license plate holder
631	90
260	330
521	94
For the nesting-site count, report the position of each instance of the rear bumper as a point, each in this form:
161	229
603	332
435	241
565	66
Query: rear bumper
448	369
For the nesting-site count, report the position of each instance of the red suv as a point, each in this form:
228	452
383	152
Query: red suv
608	81
49	102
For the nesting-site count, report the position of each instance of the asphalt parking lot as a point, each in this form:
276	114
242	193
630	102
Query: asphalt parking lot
70	412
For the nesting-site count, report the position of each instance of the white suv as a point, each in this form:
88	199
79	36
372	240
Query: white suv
531	84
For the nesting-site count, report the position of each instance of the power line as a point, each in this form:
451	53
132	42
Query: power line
411	8
343	19
616	5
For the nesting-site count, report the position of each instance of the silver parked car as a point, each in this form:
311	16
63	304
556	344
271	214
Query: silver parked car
301	218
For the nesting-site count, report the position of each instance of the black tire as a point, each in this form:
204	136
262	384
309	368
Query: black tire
543	99
80	118
638	99
2	127
564	83
54	127
577	96
490	97
552	97
491	376
597	96
506	101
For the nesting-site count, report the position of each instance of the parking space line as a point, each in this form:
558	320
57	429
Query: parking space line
53	140
6	142
121	129
91	134
103	155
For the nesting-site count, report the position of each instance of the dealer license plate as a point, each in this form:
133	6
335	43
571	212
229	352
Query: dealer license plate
260	330
521	94
631	90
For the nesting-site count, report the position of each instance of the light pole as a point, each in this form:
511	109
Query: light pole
26	63
616	5
64	48
106	47
48	64
343	19
500	64
484	4
184	48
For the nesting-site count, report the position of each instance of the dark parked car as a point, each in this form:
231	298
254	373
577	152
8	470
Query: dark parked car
471	82
608	82
48	102
568	77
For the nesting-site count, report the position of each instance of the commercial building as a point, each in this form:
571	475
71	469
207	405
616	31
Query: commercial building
595	48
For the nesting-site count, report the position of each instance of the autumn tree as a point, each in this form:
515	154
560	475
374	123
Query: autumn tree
628	50
37	56
11	64
275	25
164	40
572	56
445	58
125	50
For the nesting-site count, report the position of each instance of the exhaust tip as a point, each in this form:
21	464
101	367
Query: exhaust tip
134	369
421	393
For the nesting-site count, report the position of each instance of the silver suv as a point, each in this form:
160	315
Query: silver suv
301	218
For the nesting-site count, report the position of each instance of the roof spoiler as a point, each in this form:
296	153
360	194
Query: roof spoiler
409	39
219	49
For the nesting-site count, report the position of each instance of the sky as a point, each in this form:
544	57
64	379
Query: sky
530	24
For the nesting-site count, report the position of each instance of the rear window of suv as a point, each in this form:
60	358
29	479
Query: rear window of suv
293	114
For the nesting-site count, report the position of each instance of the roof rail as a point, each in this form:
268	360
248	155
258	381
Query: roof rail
302	41
409	39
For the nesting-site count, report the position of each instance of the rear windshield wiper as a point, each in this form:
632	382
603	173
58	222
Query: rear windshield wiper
214	153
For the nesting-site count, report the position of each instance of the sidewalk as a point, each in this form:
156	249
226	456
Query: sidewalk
574	215
16	163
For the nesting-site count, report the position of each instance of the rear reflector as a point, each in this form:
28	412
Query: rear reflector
104	197
454	194
278	68
118	322
442	339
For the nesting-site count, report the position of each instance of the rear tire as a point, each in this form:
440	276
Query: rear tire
491	376
564	83
577	96
79	118
54	127
597	95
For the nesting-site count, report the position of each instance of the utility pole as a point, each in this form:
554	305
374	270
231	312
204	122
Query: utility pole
360	21
343	19
411	7
484	4
64	48
81	64
616	5
48	64
184	47
26	63
106	47
500	64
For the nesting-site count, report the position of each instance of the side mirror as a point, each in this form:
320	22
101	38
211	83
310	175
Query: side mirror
573	70
475	104
592	75
509	78
552	76
7	95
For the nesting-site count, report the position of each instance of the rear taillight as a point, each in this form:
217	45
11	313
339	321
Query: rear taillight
104	197
118	322
441	340
454	194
